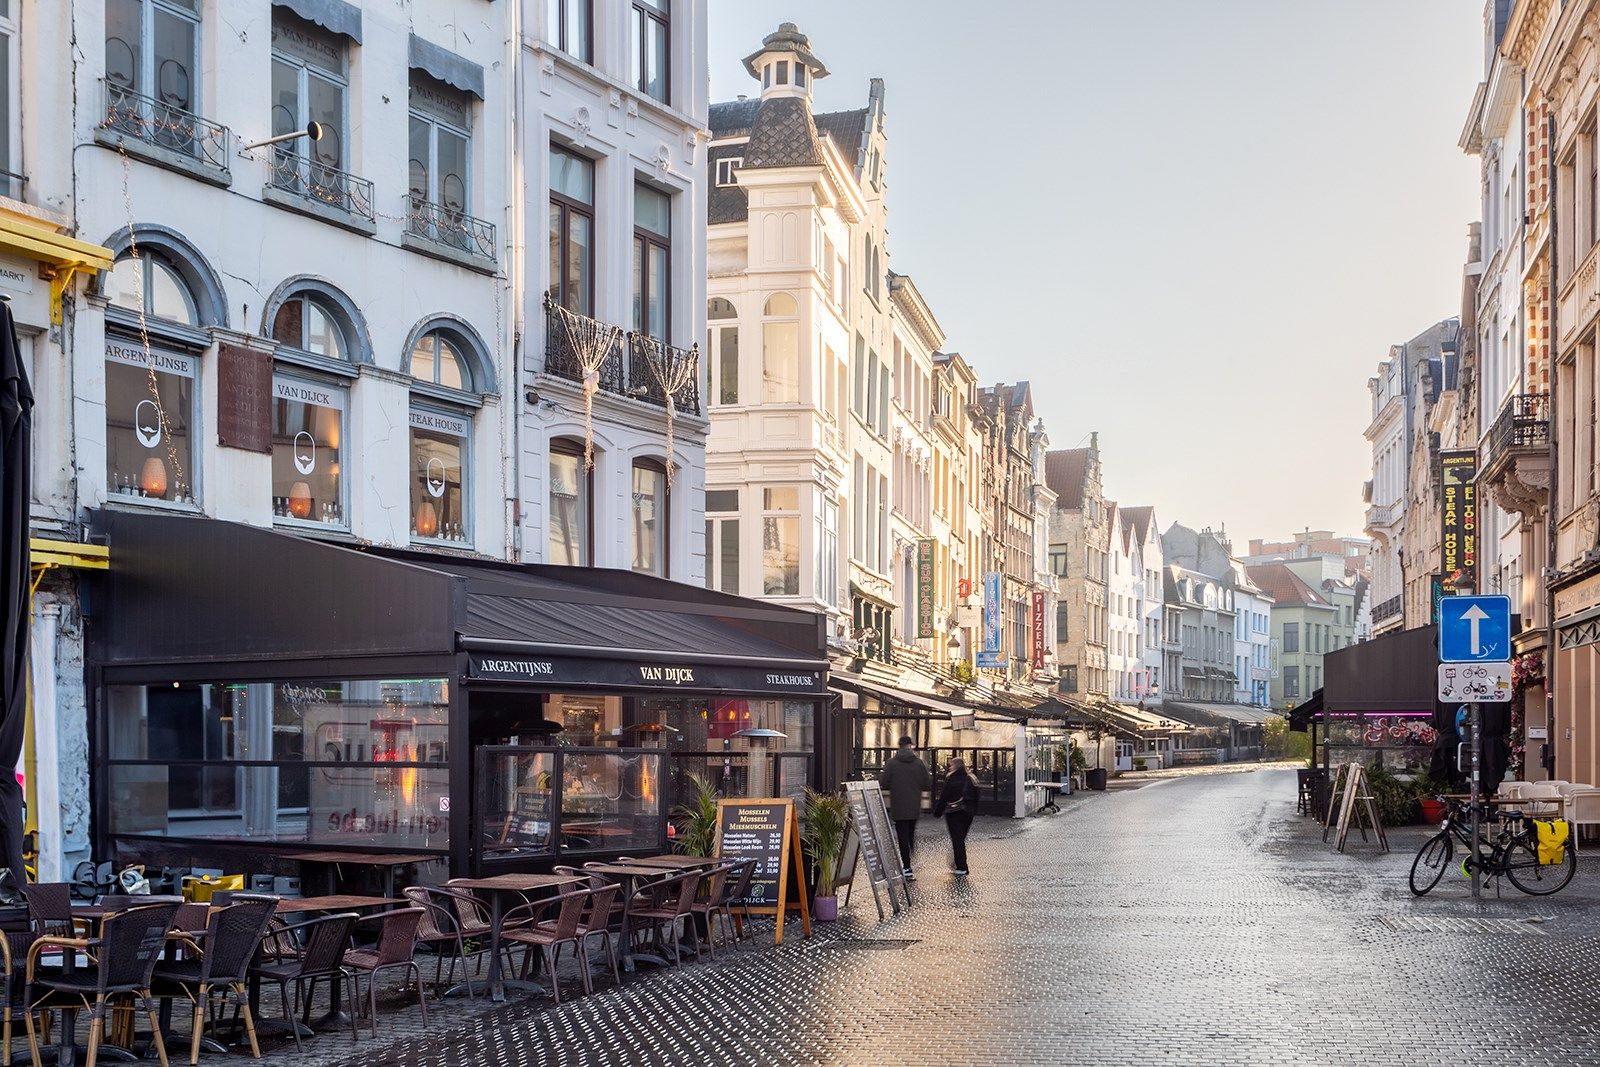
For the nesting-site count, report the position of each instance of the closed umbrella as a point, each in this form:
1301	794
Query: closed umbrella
16	425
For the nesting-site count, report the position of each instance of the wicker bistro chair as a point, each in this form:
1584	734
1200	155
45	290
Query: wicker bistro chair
714	901
473	921
439	931
125	957
595	921
735	890
525	925
50	910
300	955
218	961
396	948
664	904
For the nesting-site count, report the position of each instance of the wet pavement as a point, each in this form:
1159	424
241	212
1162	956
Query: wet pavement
1194	920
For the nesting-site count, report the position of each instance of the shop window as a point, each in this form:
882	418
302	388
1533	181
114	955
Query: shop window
780	541
354	763
151	409
571	27
571	231
439	444
722	352
780	351
722	540
308	426
651	48
649	525
571	506
652	262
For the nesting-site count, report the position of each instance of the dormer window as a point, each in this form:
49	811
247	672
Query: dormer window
783	72
726	167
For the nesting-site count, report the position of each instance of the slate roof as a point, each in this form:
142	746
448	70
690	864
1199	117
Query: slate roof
1065	471
783	135
724	203
733	117
1284	586
848	130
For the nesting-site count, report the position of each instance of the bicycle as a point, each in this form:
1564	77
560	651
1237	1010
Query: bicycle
1513	852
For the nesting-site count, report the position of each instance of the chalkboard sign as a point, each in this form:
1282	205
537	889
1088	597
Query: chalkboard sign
879	847
768	832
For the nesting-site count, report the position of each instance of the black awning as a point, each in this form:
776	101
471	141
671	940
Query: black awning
1395	672
1300	716
183	589
906	698
444	65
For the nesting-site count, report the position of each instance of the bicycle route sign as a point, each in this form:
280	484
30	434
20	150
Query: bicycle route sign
1474	629
1466	683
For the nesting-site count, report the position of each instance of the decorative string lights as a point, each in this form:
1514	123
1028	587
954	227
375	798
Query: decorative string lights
672	374
591	342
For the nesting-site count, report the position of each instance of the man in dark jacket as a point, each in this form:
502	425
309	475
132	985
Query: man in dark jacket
906	778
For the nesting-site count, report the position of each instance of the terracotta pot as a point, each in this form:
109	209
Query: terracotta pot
825	909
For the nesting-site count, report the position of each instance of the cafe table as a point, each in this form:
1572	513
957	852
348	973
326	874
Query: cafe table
388	862
629	873
497	888
677	861
295	907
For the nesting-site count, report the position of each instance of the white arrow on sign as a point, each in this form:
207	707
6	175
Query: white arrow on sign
1475	615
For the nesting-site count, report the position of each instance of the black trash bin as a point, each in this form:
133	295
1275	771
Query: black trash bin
1096	778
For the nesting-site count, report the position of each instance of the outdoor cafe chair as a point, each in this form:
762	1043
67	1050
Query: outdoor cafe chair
1582	809
124	958
217	962
473	918
50	910
1540	798
711	902
664	905
303	953
595	921
596	882
525	925
439	931
737	889
396	948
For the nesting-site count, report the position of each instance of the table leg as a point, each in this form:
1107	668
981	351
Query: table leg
498	983
266	1026
337	1016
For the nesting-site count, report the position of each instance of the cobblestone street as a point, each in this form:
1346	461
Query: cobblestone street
1193	920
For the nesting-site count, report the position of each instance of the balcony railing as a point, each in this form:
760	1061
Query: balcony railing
1382	515
452	228
1387	609
561	359
650	361
318	183
163	125
1524	422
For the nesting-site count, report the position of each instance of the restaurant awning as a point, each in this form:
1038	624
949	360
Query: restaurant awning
846	682
1218	714
186	589
1395	672
1300	715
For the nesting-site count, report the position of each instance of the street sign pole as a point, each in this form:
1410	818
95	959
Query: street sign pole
1475	717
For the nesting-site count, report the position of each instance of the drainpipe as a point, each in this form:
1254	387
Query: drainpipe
46	743
1551	497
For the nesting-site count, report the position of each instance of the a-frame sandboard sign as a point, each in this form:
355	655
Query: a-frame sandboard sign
767	831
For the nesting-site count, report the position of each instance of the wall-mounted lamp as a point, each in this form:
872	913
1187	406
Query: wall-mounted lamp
313	130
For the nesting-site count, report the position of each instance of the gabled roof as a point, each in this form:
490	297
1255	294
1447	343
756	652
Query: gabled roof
1284	586
1140	519
1065	472
733	118
848	129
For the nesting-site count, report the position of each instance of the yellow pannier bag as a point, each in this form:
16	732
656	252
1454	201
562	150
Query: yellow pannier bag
199	889
1553	834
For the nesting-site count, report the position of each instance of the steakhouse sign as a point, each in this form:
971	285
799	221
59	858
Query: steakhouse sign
1459	512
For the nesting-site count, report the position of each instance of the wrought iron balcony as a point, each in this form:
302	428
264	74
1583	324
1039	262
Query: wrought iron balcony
450	227
319	183
561	358
1387	609
651	361
1524	422
162	124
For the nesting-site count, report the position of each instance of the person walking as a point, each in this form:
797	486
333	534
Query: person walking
906	778
958	803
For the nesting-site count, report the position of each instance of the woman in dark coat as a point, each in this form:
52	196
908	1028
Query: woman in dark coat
958	803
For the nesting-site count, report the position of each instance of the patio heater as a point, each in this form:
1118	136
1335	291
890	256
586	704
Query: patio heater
759	736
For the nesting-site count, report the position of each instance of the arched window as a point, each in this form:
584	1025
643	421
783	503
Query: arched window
151	284
722	352
437	359
571	518
780	351
650	517
313	323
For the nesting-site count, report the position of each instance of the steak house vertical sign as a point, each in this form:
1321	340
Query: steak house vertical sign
1459	515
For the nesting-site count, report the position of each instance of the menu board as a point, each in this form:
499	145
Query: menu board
879	847
768	832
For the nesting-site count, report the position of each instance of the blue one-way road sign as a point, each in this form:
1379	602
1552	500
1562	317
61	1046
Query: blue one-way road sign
1474	629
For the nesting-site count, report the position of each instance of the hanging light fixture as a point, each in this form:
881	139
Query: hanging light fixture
427	519
153	477
300	500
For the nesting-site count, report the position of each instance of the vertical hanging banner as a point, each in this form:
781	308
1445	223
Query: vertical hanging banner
991	612
1038	629
925	588
1459	511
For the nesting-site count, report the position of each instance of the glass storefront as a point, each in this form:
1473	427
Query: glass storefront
541	802
357	763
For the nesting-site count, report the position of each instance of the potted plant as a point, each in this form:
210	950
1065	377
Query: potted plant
1079	762
822	829
1059	762
697	819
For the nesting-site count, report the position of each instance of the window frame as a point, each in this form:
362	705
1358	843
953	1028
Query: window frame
718	523
566	446
147	79
791	318
647	12
726	168
441	337
304	72
423	408
341	391
568	206
645	241
148	261
432	194
664	541
718	327
335	314
558	11
12	178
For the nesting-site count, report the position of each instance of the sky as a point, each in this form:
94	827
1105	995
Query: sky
1195	225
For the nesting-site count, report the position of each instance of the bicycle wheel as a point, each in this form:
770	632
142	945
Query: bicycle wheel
1432	860
1539	879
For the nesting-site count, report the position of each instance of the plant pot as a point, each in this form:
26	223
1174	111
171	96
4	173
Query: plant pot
825	909
1432	810
1097	778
